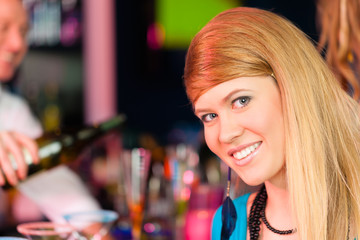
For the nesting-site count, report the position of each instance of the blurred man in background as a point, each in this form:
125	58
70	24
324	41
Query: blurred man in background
18	126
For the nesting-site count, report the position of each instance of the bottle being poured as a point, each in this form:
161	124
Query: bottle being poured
57	148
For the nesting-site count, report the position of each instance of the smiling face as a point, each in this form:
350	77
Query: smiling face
13	29
243	125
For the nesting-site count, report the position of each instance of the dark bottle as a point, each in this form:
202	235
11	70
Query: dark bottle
58	148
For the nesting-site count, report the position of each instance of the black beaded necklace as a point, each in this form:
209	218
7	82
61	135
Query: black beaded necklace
257	211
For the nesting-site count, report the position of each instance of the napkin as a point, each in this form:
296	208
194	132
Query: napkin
57	192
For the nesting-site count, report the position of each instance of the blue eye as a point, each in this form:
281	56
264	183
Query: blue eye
240	102
208	117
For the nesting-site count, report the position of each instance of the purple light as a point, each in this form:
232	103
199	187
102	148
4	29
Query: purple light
149	227
155	36
70	31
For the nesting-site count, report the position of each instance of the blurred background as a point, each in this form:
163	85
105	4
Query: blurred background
90	60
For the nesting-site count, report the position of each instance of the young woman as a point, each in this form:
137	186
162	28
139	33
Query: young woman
273	111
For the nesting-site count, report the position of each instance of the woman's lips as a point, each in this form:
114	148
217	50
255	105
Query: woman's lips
245	154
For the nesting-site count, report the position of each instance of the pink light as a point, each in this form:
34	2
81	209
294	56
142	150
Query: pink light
70	31
155	36
202	220
202	214
188	177
149	227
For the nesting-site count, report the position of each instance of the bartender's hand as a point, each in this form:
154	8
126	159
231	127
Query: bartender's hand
15	144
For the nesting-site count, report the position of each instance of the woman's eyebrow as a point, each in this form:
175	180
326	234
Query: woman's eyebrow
224	100
230	94
201	110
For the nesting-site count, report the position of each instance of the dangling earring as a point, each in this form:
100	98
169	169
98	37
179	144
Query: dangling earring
228	213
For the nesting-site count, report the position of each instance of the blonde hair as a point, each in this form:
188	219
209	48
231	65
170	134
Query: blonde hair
339	26
321	120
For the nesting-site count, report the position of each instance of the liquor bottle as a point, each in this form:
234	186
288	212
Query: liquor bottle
57	148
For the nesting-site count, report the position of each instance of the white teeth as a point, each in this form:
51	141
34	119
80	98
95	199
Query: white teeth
245	152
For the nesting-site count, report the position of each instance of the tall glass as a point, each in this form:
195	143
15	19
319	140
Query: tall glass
45	230
136	164
204	201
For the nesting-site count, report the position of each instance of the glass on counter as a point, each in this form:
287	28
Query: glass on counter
204	201
91	225
45	230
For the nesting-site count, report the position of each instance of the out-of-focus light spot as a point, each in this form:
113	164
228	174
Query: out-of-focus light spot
70	31
154	184
188	177
142	152
149	227
152	227
202	214
193	158
155	36
185	193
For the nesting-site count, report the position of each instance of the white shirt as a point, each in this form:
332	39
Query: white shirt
15	115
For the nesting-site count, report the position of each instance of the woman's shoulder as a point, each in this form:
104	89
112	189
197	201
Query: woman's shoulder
243	199
250	200
240	204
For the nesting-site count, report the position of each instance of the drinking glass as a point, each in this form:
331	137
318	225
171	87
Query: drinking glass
12	238
45	230
92	225
204	201
136	164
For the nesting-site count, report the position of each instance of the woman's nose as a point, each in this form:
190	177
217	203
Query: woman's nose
230	129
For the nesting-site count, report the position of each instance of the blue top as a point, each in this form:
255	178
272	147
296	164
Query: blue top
241	222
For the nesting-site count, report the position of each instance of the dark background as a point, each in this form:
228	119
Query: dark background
150	88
